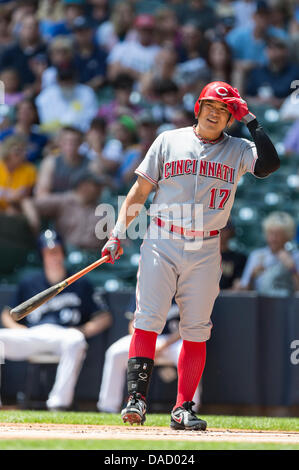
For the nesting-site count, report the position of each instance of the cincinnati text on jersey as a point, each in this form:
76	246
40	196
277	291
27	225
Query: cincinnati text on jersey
203	168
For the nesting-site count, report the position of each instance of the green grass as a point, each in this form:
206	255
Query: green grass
227	422
90	444
80	418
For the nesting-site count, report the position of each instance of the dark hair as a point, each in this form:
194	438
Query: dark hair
72	129
98	123
165	86
228	67
32	104
123	81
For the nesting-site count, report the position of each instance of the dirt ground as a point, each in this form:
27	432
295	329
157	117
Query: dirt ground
66	431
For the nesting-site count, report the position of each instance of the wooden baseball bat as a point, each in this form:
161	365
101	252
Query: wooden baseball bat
31	304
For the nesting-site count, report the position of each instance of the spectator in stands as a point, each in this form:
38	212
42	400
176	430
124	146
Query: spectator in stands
103	155
233	262
73	212
75	103
248	44
116	357
192	70
60	327
19	11
294	33
200	10
99	11
27	126
90	60
291	140
10	79
51	18
271	84
121	103
193	44
220	61
243	11
5	33
135	57
274	269
57	172
61	54
167	28
168	100
182	118
17	177
73	9
118	27
280	15
20	54
164	69
147	131
225	9
126	132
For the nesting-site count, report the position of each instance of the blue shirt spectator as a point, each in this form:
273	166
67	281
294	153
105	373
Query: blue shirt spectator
90	60
27	125
36	143
19	55
271	83
248	44
246	47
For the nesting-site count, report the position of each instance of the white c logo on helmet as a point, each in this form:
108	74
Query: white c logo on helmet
220	90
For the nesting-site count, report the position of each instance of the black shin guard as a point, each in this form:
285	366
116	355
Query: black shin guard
139	375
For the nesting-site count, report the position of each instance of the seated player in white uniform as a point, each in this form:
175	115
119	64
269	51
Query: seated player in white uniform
194	172
60	326
168	348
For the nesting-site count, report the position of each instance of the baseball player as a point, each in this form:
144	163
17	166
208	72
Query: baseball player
61	326
197	166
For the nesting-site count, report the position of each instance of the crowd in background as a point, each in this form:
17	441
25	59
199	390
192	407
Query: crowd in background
90	84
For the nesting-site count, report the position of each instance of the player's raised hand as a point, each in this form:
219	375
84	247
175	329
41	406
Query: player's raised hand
113	249
237	106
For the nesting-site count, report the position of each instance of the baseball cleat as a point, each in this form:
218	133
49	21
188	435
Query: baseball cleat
135	410
184	417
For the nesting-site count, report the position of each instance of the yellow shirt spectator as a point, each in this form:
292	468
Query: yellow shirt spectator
17	177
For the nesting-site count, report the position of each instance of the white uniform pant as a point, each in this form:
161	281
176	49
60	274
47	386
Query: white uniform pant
68	343
114	372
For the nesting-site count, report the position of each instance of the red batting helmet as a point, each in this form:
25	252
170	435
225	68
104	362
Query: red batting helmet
214	91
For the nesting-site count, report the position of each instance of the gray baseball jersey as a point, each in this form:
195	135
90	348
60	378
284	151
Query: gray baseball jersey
186	170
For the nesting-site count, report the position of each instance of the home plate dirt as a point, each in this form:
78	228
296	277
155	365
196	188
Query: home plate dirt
76	431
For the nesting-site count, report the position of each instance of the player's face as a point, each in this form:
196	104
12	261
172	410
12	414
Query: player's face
53	258
213	116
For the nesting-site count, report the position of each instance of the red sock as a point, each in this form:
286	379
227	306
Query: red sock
191	364
143	344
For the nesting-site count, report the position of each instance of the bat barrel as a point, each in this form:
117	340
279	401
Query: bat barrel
22	310
26	307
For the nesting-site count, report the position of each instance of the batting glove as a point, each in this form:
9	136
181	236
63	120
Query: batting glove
238	107
113	249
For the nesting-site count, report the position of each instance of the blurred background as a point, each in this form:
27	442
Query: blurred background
89	84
